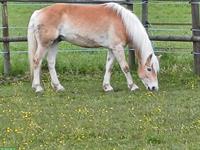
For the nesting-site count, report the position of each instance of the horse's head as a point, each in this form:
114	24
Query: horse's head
148	72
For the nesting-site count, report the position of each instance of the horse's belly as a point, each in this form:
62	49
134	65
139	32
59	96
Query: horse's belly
83	41
83	37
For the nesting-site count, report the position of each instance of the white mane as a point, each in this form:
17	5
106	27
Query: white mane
155	63
137	33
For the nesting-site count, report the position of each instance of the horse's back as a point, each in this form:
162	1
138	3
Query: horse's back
84	25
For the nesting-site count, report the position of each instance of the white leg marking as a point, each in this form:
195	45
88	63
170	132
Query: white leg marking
118	52
51	58
109	65
37	69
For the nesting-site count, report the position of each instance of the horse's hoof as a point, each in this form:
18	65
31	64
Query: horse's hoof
57	87
60	88
39	89
107	88
134	88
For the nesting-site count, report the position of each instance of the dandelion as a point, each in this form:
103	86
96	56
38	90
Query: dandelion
192	86
4	141
17	130
25	143
26	115
8	130
79	110
158	109
155	128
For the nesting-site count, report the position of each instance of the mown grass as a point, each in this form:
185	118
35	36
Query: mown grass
84	117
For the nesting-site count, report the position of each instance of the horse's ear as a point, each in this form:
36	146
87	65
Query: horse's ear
158	57
149	60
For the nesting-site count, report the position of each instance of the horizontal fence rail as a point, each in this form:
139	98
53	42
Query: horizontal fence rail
171	23
70	1
98	50
105	1
176	38
153	38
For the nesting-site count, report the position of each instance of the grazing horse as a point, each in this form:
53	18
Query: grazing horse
106	25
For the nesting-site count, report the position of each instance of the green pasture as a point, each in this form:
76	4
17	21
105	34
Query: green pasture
84	117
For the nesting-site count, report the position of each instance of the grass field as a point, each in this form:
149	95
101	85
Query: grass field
84	117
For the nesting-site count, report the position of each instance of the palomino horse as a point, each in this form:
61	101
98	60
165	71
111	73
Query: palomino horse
107	25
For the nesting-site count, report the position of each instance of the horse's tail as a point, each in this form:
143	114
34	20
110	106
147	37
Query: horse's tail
32	42
133	26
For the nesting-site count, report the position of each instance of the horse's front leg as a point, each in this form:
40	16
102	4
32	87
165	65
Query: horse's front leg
51	59
118	52
109	66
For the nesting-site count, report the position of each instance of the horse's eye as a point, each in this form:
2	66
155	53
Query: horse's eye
149	69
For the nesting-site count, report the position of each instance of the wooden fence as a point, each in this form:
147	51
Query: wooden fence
195	38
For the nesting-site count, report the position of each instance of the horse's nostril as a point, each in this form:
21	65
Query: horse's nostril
152	89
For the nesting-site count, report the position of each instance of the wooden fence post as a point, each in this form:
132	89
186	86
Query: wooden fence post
131	52
145	13
6	50
196	32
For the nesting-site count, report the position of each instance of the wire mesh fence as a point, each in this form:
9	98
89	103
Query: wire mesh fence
176	20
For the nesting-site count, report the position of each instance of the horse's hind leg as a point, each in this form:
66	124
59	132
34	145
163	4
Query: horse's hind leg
37	69
51	59
118	52
109	66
